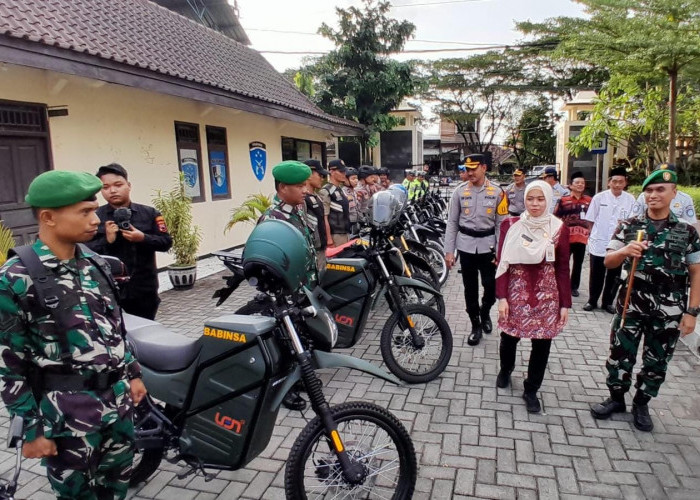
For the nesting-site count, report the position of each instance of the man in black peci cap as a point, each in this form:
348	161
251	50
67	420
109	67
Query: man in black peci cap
133	233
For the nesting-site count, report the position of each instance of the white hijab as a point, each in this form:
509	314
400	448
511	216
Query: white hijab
528	239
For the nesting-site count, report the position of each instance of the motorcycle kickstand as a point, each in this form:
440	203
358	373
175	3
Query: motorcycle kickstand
194	466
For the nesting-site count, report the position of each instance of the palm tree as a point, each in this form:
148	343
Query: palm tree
249	211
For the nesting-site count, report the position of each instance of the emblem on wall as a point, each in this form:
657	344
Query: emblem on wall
258	159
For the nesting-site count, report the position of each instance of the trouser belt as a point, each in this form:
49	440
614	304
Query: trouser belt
476	233
101	381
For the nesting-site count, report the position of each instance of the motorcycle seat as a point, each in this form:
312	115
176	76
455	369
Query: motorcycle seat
333	251
158	348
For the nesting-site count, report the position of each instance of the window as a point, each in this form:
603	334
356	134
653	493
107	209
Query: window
189	154
218	162
302	150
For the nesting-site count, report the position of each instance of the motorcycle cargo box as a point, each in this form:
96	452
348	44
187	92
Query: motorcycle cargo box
230	416
350	284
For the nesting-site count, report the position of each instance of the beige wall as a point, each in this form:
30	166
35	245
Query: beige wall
112	123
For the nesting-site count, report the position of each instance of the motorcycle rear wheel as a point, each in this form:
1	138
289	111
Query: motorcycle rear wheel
370	433
145	461
411	364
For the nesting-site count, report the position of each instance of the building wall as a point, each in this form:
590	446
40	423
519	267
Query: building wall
112	123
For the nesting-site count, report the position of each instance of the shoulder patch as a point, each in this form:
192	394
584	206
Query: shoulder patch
502	208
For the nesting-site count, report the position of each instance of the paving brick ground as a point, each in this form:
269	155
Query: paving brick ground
472	439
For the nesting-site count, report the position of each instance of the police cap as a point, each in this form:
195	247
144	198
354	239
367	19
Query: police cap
336	165
549	171
60	188
518	171
662	175
473	161
291	172
316	166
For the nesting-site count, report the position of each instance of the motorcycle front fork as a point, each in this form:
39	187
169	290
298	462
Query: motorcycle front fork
353	472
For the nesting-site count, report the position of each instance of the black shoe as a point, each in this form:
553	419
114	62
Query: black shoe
503	379
588	306
574	293
610	309
603	410
294	401
641	418
486	324
532	404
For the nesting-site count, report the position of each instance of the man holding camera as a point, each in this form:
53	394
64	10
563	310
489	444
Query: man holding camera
133	233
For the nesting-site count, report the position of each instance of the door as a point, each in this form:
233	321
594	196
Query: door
24	154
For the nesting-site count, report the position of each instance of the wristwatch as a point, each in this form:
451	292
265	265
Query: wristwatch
693	311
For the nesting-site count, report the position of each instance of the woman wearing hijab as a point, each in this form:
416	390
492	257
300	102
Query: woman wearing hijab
533	287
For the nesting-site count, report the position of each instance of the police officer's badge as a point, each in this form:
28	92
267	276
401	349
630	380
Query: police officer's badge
258	159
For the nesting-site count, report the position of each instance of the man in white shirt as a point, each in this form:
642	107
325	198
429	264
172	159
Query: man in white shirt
682	205
606	210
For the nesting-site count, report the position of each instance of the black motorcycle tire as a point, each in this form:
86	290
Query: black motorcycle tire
425	272
386	343
314	432
436	301
149	461
444	272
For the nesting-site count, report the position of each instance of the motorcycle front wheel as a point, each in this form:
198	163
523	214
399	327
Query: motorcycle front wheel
412	364
372	437
412	295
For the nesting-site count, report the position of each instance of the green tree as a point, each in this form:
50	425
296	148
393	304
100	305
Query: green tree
358	80
533	140
632	38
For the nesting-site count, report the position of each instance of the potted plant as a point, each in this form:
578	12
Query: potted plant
7	241
249	211
176	208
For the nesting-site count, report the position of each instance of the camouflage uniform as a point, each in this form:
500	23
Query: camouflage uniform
352	208
93	429
316	223
296	216
657	302
363	192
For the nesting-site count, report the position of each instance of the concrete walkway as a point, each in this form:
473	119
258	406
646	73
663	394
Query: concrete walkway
473	440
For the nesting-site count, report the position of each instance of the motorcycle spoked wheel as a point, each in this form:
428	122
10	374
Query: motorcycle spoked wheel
425	272
436	259
373	437
411	364
412	295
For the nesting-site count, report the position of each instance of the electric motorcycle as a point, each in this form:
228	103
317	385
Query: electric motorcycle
220	394
14	440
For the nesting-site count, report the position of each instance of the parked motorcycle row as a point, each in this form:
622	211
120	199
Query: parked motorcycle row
213	401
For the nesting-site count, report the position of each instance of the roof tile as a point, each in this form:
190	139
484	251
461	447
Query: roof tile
143	34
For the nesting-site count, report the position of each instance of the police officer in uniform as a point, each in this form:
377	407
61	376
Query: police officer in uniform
365	188
551	177
384	181
476	210
288	205
349	191
134	241
64	364
515	191
335	205
410	177
660	310
314	212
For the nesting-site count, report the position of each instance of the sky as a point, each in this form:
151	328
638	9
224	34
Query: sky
462	23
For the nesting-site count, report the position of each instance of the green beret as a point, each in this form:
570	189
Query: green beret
291	172
60	188
660	176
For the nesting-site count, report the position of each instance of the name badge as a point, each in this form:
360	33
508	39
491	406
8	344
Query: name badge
549	253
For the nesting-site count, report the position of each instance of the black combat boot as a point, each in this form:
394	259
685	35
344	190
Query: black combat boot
486	325
532	404
640	412
614	404
503	378
475	336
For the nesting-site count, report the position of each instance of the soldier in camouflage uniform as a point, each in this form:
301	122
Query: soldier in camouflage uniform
72	380
314	212
288	205
659	308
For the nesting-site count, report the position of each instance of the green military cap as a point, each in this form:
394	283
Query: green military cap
291	172
664	174
60	188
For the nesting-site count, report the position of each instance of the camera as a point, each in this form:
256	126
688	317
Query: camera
122	217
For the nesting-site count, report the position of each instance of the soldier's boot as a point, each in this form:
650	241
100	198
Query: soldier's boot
640	412
475	336
485	317
614	404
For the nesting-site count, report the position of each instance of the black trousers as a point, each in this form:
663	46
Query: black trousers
578	252
473	265
145	306
602	279
539	355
